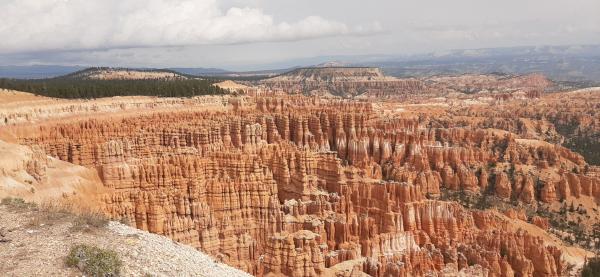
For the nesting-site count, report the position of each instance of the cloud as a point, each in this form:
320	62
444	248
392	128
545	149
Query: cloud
66	25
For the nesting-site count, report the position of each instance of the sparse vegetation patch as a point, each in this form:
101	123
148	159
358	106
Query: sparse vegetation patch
591	268
94	261
88	221
16	203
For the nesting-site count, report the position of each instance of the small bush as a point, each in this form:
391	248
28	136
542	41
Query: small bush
16	203
503	251
94	261
591	268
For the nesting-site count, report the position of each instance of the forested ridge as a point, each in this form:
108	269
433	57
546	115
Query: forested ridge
85	73
68	87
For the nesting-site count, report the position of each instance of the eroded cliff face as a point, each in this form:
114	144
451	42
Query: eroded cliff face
371	83
302	186
28	173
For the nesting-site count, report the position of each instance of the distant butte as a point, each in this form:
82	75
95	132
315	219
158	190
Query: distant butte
370	82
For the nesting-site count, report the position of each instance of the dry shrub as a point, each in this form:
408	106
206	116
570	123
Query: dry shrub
89	221
17	204
49	213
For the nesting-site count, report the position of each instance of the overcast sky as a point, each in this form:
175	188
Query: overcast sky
248	34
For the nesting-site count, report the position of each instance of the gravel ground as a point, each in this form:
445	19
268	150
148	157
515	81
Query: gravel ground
164	257
36	245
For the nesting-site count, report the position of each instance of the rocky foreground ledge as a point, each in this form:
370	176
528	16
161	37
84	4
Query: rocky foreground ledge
36	241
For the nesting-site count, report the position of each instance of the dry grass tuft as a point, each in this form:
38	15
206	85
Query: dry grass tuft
89	221
49	213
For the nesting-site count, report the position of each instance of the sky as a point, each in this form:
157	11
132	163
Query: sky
253	34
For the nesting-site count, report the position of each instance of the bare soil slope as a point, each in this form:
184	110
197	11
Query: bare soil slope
36	242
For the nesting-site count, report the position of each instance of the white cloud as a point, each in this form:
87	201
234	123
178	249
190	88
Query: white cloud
59	25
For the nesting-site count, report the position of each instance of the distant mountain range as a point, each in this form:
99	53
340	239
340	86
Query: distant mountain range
52	71
36	71
562	63
199	71
580	63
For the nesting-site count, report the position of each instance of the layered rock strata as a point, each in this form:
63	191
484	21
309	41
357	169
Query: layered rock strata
343	81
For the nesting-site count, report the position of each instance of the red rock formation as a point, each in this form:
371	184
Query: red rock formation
301	186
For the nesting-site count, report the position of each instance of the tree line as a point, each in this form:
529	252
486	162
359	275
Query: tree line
87	89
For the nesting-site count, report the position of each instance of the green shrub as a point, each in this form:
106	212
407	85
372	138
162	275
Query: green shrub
591	268
94	261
